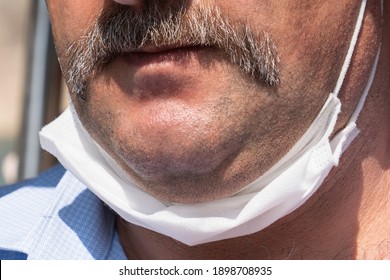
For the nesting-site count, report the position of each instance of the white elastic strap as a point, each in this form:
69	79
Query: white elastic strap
362	100
351	49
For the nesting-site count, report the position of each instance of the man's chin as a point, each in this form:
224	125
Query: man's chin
193	177
175	162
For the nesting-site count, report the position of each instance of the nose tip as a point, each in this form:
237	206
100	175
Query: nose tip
129	2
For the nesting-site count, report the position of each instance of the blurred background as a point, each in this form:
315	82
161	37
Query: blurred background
31	88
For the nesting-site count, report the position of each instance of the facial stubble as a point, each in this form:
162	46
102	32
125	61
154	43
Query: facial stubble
121	30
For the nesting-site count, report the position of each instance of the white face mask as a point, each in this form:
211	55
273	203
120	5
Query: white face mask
281	190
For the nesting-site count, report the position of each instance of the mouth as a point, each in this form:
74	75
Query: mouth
152	55
167	71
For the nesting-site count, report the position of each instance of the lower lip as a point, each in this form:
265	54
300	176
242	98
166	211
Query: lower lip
172	56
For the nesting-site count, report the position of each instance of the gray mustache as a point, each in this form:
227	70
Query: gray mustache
121	30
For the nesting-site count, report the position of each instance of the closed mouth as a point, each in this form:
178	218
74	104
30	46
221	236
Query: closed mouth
152	54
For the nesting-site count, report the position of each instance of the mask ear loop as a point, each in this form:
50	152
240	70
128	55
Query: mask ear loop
351	49
342	140
362	100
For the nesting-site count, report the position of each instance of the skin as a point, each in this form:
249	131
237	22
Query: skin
167	130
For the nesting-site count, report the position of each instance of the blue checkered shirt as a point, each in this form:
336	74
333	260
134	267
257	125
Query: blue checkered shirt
54	216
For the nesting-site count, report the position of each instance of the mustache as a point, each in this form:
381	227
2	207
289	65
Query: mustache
122	29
